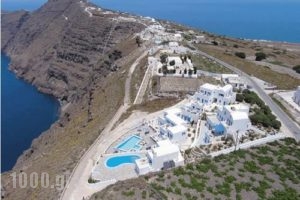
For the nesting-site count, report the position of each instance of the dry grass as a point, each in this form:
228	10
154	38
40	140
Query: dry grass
155	105
283	81
205	64
150	107
178	84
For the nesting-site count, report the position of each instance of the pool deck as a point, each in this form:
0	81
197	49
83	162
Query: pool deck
105	148
125	171
146	140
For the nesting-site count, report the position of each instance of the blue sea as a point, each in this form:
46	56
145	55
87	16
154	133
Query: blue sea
252	19
25	114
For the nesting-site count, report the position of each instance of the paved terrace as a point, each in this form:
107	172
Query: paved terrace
122	172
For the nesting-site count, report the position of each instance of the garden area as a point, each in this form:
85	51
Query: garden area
205	64
260	113
270	172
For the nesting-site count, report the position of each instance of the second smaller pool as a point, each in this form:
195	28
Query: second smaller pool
120	160
129	144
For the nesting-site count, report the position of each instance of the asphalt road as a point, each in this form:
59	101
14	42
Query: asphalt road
284	118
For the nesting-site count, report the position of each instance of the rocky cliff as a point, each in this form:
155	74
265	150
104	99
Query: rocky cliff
78	53
65	45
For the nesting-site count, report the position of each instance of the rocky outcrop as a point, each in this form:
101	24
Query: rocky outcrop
64	46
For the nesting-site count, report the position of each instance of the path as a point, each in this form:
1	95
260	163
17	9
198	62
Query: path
128	80
143	87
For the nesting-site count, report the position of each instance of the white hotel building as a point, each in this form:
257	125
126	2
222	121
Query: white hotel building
209	94
172	126
234	118
164	156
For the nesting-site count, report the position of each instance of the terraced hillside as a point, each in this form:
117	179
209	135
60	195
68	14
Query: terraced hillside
61	49
268	172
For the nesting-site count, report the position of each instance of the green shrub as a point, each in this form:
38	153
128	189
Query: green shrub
172	62
297	68
197	185
229	179
182	182
169	190
178	191
215	43
287	194
261	116
179	171
251	166
91	180
163	58
128	193
224	189
240	97
240	55
260	56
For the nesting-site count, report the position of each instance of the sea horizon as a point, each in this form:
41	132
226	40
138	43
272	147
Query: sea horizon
279	21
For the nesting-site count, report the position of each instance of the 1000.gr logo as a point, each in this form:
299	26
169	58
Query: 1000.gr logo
34	180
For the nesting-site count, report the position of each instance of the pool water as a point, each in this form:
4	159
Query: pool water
120	160
130	143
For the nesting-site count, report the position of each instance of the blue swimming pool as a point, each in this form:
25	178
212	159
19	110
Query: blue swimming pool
120	160
131	143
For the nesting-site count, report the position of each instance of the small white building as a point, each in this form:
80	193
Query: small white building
191	111
235	80
173	44
165	155
177	36
296	96
200	38
177	134
172	116
209	94
235	118
142	166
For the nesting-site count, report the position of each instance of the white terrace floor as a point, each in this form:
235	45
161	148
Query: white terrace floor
122	172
